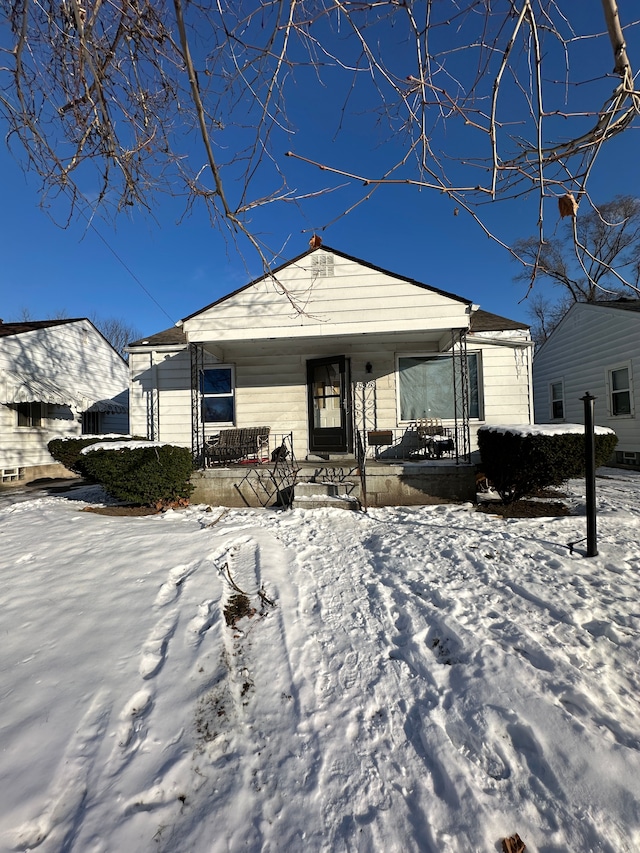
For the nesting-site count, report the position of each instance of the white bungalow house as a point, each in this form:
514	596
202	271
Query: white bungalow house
58	378
337	354
595	349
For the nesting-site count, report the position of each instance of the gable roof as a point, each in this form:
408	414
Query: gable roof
324	248
630	306
7	329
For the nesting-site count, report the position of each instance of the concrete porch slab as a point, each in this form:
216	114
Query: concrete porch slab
399	484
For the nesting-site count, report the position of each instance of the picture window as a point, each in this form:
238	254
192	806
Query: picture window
427	386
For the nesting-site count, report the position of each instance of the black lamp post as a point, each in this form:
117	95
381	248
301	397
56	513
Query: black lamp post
590	473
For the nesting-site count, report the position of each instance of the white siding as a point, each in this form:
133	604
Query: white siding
269	331
160	395
355	300
271	383
72	355
590	341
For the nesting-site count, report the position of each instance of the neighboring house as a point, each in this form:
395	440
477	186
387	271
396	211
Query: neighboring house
328	348
594	349
58	378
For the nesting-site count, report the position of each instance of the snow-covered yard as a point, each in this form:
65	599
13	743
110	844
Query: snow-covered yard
425	679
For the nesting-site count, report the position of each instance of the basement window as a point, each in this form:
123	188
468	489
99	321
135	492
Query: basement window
628	457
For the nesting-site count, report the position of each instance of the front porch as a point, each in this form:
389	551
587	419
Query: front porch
338	435
398	482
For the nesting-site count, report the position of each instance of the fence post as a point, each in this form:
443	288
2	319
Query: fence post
590	473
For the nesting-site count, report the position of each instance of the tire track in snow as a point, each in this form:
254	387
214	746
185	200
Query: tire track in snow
242	736
365	804
55	829
501	593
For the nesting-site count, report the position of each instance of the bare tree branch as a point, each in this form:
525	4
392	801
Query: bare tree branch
479	100
596	259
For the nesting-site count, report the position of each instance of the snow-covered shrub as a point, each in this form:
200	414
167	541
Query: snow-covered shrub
521	460
68	451
145	476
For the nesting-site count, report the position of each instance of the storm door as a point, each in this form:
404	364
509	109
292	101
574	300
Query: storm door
329	405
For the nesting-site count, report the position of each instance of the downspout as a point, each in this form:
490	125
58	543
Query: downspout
153	414
532	412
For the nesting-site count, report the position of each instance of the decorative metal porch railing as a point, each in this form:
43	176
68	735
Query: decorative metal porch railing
197	427
413	444
272	482
461	393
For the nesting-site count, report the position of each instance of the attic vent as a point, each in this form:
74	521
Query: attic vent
322	265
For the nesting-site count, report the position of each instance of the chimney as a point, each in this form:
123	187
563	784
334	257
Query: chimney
315	242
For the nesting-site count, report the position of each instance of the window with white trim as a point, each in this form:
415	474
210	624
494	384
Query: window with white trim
217	389
30	414
426	386
556	396
620	397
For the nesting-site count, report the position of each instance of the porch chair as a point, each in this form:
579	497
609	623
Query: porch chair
433	437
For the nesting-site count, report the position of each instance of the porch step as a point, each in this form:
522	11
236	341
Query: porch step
309	495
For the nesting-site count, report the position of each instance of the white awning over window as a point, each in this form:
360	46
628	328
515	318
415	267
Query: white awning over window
16	388
109	406
28	389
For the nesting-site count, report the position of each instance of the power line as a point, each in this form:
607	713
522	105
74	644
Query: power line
90	224
128	269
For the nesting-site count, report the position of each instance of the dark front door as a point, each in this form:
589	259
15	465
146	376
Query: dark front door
329	405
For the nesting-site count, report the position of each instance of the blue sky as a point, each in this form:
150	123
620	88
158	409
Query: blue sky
151	270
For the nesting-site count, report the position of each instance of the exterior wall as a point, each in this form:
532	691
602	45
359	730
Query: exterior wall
273	390
141	393
75	357
591	340
160	395
506	383
354	300
271	383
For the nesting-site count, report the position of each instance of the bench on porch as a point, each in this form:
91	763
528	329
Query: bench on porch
236	445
